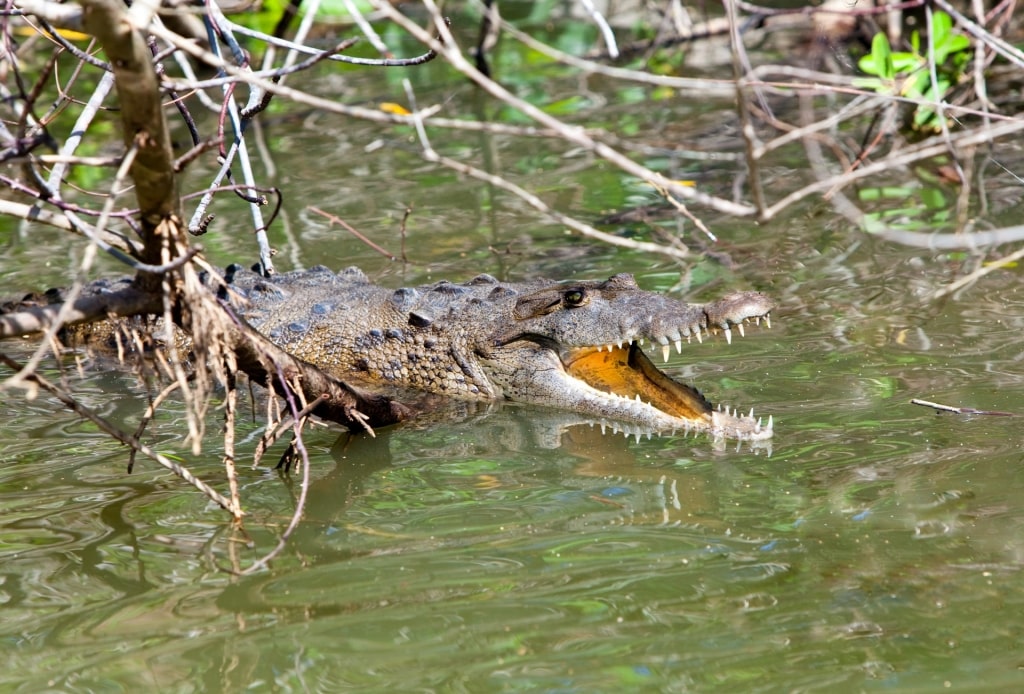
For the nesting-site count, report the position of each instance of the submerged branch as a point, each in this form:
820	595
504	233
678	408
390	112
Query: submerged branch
938	407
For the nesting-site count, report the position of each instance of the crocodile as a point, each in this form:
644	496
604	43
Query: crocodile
576	345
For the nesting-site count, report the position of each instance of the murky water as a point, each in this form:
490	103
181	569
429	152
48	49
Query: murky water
875	546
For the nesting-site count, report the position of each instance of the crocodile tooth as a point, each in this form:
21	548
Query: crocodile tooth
602	429
641	342
768	320
757	426
679	346
751	415
728	335
619	345
700	339
771	423
637	435
739	326
665	351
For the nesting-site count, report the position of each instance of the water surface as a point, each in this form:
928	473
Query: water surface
873	546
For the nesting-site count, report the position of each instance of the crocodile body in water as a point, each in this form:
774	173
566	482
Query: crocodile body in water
572	345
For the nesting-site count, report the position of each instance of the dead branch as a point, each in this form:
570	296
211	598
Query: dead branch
940	408
142	117
86	309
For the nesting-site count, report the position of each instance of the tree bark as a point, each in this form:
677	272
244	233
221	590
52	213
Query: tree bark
144	126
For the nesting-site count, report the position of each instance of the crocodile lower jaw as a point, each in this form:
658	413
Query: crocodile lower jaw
638	391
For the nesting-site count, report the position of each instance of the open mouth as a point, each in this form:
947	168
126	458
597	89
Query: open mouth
627	372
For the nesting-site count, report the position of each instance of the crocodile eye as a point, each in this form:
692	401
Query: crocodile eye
575	297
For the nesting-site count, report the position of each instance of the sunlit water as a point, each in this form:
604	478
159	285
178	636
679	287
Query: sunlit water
874	546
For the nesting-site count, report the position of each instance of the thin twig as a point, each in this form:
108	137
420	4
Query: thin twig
334	219
602	24
938	407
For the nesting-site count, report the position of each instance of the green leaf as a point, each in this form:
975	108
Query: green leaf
945	42
933	198
879	61
906	62
942	24
915	86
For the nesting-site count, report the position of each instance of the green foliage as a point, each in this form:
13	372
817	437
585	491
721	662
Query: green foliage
907	73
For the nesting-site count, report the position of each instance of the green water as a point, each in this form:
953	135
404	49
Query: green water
874	546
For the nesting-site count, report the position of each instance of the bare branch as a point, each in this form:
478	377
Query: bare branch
58	14
141	114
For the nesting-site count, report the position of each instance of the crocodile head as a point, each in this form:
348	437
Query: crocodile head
579	346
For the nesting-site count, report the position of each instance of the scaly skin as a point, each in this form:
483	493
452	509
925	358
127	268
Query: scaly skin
573	345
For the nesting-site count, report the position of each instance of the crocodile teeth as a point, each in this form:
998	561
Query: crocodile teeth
728	334
751	415
768	320
679	346
665	352
739	326
699	338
